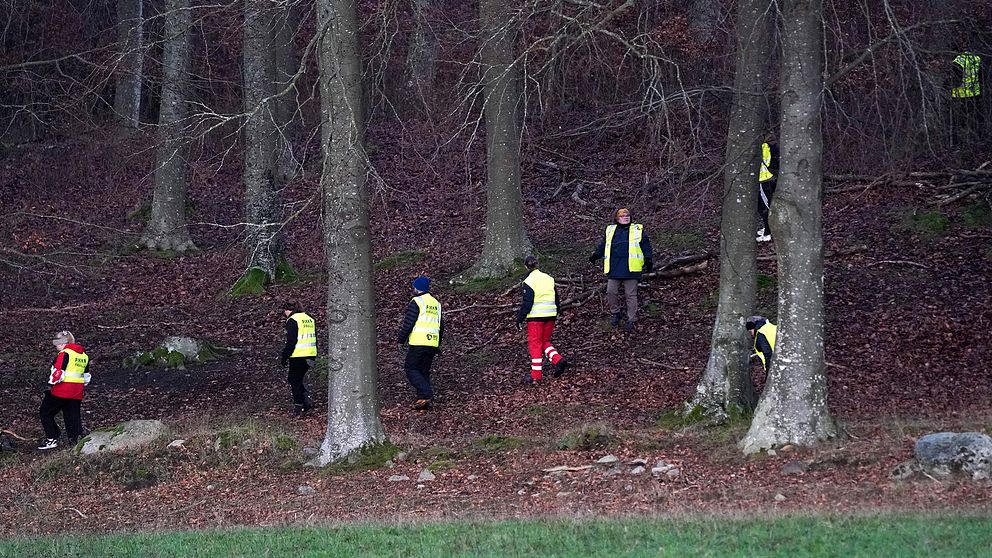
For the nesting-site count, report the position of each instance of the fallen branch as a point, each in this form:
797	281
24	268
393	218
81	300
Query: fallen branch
14	435
654	363
900	262
487	306
81	514
826	254
483	344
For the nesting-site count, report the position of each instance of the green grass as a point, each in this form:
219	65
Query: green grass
977	215
587	437
816	536
402	258
928	225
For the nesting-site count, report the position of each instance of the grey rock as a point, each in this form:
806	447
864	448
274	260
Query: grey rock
673	473
189	347
637	470
661	467
426	475
310	452
305	489
607	460
389	464
637	462
128	435
176	444
401	456
612	472
944	454
421	486
398	478
779	498
795	468
472	477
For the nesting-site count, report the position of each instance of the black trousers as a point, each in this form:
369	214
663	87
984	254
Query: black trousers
51	406
298	368
418	369
766	190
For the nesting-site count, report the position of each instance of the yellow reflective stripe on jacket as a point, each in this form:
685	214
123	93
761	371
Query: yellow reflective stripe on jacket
75	367
306	336
970	84
544	295
766	161
768	330
427	329
635	256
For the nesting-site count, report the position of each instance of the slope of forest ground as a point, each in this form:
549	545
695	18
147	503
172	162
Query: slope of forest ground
908	313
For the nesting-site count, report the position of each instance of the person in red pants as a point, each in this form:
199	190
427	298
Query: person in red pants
540	310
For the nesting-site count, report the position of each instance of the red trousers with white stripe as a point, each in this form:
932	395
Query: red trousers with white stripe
539	345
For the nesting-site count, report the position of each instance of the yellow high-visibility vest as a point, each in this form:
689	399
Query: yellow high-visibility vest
768	330
427	330
970	84
544	295
635	256
75	366
766	161
306	336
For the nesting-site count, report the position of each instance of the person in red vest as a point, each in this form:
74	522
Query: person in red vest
539	308
68	378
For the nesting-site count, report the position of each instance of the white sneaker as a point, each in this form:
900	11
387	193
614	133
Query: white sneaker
48	443
764	238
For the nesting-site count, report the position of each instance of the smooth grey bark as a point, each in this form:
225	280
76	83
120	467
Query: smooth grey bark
703	20
422	55
352	400
506	237
286	66
793	405
166	229
262	242
726	382
127	93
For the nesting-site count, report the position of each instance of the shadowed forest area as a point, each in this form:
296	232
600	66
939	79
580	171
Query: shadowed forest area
178	168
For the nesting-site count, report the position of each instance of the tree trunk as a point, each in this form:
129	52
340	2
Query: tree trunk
262	240
127	94
793	405
166	228
421	57
352	399
287	104
704	19
726	382
506	238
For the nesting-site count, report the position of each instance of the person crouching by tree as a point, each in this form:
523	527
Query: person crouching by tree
68	378
299	353
626	253
421	330
540	309
763	332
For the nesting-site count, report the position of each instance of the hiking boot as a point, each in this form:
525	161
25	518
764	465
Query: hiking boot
300	411
48	443
615	321
528	381
422	405
628	327
763	237
560	368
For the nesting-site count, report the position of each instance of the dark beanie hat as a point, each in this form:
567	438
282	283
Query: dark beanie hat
422	284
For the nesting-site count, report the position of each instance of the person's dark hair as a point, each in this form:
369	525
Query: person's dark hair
530	262
754	322
291	305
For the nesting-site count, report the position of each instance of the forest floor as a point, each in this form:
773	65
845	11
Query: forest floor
909	310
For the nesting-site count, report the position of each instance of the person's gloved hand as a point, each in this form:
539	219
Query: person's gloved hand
593	258
86	378
648	265
520	326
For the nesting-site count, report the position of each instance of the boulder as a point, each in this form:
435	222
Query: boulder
944	454
125	436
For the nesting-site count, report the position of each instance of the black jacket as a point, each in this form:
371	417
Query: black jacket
619	268
762	345
410	319
291	335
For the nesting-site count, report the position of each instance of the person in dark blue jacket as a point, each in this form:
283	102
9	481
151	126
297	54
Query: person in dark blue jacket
626	254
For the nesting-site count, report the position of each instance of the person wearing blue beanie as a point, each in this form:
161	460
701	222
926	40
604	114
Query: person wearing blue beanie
421	331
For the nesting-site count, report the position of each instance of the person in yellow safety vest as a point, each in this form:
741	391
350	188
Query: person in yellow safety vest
763	332
539	308
626	253
421	330
68	378
767	180
967	71
299	353
967	114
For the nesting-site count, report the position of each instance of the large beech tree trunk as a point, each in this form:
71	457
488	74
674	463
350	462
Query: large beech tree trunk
166	228
352	399
793	405
421	59
262	240
127	93
506	238
726	384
